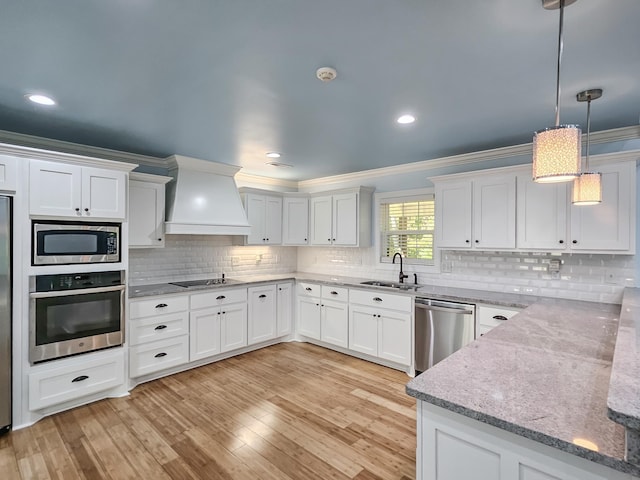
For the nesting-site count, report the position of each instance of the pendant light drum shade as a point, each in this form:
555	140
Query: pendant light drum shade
587	189
557	153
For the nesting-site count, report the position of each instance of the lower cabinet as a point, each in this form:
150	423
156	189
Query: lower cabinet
217	322
262	320
377	331
152	357
70	379
284	309
489	453
490	316
323	313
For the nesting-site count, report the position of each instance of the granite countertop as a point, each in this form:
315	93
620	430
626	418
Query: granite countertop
543	375
431	291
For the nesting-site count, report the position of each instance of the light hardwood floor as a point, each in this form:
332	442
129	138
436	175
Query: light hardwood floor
291	411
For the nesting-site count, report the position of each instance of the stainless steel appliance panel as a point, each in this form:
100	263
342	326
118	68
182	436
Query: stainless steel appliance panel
441	328
5	314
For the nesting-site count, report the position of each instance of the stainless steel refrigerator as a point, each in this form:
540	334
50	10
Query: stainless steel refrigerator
5	314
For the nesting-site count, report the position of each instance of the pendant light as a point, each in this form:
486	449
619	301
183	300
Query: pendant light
587	188
557	150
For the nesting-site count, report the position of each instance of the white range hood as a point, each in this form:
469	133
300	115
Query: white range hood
203	199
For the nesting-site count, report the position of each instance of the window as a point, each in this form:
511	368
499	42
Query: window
407	226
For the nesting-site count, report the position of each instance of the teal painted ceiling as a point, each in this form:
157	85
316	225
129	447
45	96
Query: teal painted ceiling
229	80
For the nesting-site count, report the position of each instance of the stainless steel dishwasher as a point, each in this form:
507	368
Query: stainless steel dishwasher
442	327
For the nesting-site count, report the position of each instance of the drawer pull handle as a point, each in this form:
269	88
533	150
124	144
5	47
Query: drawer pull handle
160	355
377	299
160	327
162	305
79	379
308	289
333	292
262	296
499	317
220	297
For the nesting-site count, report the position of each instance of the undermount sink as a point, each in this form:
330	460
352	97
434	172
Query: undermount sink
399	286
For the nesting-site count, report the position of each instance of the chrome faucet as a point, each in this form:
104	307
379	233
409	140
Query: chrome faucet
401	275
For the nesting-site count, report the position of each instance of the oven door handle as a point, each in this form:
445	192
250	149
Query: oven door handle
82	291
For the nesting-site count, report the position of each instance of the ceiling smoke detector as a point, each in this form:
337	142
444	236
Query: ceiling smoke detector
326	74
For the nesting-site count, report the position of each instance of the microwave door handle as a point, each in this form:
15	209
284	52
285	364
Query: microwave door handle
82	291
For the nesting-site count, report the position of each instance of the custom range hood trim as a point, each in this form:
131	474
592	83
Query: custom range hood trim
203	199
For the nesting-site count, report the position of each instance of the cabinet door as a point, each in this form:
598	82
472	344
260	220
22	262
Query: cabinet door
233	327
541	214
8	173
494	212
204	333
334	323
255	205
607	226
284	309
345	219
273	220
103	193
146	214
262	314
453	214
54	189
363	330
394	341
309	317
321	220
295	221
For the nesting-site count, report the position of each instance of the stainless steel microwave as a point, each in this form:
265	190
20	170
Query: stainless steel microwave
66	243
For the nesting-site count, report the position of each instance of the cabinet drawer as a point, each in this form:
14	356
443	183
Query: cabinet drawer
144	330
374	298
158	306
309	289
339	294
218	297
494	316
52	386
156	356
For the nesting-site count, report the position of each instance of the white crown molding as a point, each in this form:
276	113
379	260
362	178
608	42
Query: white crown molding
150	178
19	139
605	136
266	181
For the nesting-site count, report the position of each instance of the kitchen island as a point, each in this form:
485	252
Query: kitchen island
528	400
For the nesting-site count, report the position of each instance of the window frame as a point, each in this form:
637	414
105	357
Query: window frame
401	196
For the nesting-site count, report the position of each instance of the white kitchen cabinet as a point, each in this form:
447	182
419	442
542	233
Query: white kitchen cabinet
610	225
9	173
295	220
490	453
490	316
342	218
476	213
541	214
262	323
309	310
217	322
334	315
146	210
63	190
380	325
285	309
264	213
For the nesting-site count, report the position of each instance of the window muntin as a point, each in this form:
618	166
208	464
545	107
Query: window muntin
407	226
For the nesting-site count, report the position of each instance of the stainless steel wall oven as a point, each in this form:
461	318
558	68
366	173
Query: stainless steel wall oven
75	313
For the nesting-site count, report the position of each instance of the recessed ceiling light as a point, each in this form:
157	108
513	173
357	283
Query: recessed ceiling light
273	155
40	99
406	119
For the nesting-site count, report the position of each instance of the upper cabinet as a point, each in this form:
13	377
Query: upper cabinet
8	173
342	218
146	210
503	209
264	213
476	213
295	220
65	190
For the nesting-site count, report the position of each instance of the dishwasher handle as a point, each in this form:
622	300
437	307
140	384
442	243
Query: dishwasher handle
444	307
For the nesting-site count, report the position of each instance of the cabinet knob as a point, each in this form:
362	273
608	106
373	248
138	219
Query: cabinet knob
561	241
328	239
264	239
262	296
467	241
378	315
86	210
224	313
334	239
308	289
159	239
305	239
77	209
477	241
574	241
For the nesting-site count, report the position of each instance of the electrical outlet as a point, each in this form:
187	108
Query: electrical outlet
610	277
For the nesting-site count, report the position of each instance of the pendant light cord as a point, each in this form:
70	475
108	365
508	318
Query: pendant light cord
586	163
560	48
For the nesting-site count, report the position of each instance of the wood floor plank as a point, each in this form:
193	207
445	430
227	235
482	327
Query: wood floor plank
292	411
